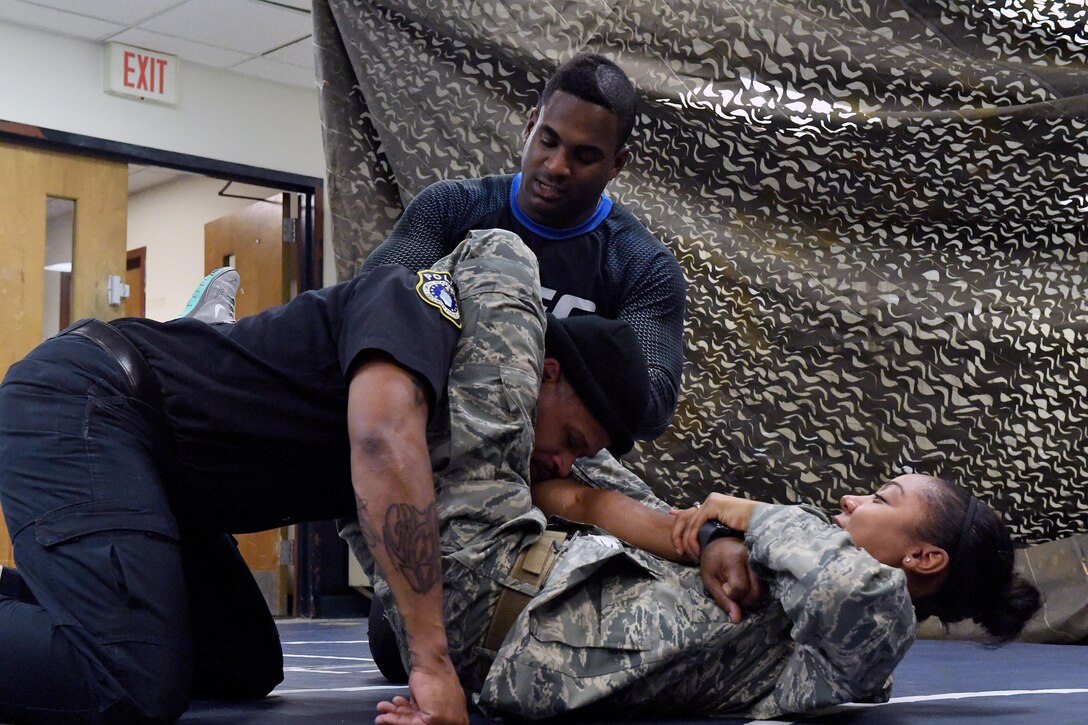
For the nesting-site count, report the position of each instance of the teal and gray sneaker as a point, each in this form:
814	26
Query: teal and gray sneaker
213	300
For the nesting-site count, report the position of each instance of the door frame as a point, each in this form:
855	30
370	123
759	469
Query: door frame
311	206
320	557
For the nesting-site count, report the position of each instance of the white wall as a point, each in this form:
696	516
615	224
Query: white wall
57	83
169	220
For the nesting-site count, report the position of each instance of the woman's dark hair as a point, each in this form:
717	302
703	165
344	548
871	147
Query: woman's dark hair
596	79
981	583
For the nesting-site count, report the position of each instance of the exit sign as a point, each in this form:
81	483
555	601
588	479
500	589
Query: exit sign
143	74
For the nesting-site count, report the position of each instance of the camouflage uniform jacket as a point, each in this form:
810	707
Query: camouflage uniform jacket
620	632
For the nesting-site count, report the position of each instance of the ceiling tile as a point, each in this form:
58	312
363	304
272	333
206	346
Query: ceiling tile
55	21
279	72
125	12
248	26
300	54
186	49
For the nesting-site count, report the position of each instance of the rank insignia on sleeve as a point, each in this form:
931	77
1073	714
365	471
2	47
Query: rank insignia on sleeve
436	288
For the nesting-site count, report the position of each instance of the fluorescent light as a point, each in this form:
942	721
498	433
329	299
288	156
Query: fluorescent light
59	267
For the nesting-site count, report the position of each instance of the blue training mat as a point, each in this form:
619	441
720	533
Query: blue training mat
329	677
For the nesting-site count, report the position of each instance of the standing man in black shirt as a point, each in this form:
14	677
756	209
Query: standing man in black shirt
594	255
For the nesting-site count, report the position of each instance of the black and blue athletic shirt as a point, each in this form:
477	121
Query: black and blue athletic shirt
611	265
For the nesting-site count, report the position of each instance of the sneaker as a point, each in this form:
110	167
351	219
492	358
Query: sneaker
213	300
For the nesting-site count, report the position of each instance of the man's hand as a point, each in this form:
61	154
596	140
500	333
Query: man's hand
729	578
436	699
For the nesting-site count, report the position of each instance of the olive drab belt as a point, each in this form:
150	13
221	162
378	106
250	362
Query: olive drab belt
532	567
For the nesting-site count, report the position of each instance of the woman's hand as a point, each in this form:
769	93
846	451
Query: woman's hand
732	511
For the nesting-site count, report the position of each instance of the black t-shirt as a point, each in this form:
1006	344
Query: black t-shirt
611	264
257	411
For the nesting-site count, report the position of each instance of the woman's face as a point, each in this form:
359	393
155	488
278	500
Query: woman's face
884	523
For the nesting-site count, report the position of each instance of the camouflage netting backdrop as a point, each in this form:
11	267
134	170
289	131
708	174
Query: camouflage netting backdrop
879	206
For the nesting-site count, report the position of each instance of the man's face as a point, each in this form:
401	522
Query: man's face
565	429
569	156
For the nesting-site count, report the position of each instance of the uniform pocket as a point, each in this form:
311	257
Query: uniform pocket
614	611
82	519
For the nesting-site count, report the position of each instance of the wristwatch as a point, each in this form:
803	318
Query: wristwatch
715	530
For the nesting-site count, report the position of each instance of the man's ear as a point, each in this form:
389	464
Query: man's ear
926	560
552	369
530	124
619	161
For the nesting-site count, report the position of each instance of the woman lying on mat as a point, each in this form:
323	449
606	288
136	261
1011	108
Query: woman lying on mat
616	632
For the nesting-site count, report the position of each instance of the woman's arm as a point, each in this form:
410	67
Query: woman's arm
732	511
623	517
852	619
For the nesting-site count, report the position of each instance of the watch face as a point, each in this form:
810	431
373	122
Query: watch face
712	530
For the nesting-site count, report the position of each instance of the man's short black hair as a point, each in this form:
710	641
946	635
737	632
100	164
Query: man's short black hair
596	79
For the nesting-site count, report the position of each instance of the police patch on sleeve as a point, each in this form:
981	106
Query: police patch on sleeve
436	288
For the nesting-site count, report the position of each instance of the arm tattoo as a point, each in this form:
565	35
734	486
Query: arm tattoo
411	538
370	536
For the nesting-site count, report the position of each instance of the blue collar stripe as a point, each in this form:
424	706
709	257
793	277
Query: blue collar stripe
604	207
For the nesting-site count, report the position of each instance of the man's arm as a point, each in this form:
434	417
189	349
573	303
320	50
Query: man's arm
726	573
394	490
419	238
654	304
623	517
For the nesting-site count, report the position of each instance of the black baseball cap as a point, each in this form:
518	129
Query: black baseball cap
604	363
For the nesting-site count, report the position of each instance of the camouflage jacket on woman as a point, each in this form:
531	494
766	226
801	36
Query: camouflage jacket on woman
622	632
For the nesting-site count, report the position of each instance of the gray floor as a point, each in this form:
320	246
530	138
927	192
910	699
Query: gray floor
330	678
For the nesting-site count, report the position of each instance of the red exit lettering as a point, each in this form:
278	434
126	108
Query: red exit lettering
143	72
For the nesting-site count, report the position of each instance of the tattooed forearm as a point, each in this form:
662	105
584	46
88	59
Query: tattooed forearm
370	536
411	538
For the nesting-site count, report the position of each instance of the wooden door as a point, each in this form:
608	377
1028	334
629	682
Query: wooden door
100	191
135	305
251	241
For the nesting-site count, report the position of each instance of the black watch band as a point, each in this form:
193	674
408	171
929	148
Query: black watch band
715	530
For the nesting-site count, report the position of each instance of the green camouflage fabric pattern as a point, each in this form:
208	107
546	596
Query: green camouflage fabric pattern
605	471
876	204
618	632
